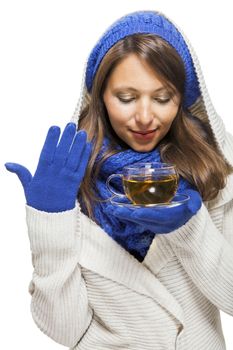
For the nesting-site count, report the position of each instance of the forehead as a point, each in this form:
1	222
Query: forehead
133	74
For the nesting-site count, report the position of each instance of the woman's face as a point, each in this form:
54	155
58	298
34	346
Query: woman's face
140	108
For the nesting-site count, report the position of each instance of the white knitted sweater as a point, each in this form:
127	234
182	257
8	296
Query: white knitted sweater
90	293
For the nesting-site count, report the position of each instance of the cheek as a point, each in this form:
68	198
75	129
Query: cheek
115	105
118	113
170	114
167	118
117	121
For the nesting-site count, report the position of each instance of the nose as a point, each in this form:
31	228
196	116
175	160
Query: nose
144	113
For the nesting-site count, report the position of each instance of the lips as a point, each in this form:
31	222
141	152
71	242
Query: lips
144	136
144	132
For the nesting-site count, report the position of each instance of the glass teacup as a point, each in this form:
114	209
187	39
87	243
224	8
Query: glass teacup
147	184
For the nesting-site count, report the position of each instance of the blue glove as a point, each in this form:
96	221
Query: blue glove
162	220
59	173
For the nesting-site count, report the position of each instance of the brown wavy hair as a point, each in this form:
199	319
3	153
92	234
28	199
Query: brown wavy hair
190	142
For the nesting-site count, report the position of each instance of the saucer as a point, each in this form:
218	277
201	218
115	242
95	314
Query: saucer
178	199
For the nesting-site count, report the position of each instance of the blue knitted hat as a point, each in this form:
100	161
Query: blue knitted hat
149	22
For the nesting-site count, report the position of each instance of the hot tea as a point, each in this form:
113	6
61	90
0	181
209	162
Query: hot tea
147	191
147	184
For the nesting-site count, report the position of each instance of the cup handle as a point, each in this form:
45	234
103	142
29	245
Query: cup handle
109	187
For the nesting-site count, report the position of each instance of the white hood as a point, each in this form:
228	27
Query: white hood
223	139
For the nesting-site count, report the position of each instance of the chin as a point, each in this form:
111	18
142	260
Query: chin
143	148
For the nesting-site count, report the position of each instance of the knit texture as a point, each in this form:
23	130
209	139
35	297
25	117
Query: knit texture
133	237
88	292
145	22
59	172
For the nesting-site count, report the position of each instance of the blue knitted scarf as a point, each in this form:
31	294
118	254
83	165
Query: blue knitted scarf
133	237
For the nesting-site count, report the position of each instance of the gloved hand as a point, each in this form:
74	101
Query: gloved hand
59	173
162	220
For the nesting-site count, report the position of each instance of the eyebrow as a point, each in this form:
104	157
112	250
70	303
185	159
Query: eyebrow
130	88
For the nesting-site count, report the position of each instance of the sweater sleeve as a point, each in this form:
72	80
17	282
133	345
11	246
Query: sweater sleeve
207	255
59	303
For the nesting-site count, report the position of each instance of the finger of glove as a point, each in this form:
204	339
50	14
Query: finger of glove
127	218
64	145
84	161
123	213
152	215
50	144
157	227
160	215
76	151
148	225
195	201
120	213
23	173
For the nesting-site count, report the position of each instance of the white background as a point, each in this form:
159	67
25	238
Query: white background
44	45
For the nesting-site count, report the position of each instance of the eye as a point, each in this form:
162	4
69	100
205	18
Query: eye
162	101
125	100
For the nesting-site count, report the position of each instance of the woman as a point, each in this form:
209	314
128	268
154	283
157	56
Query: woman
109	277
